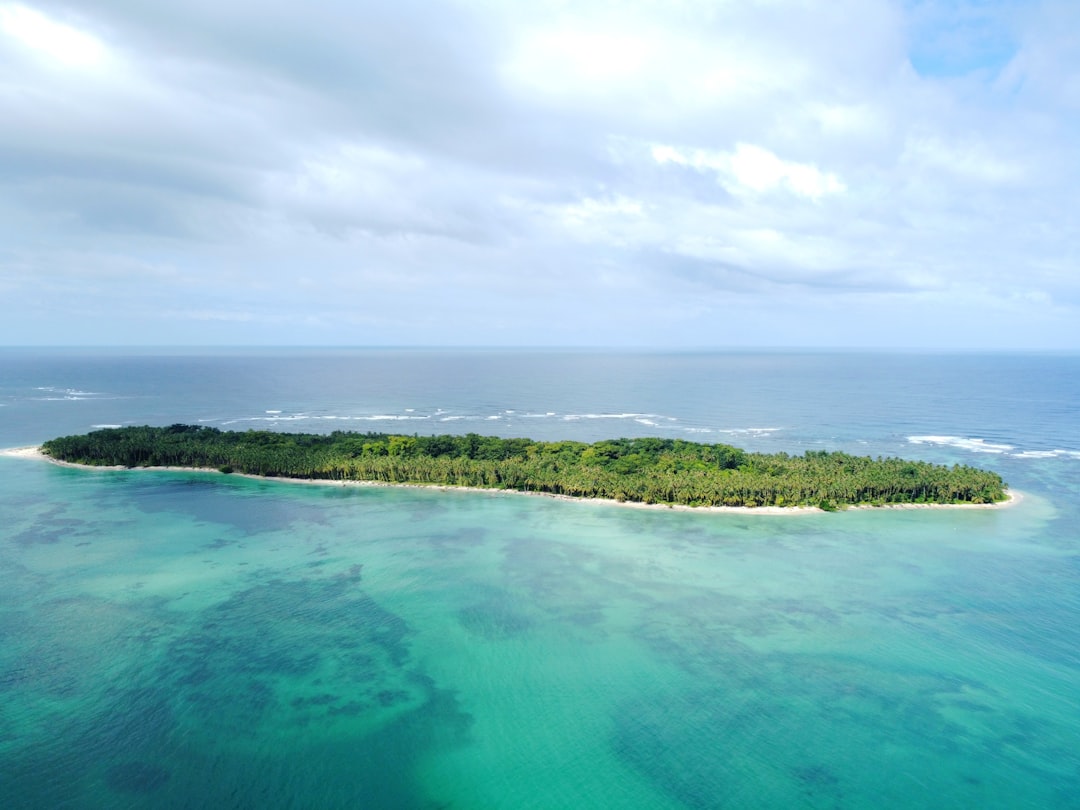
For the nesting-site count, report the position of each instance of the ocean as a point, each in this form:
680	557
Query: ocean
191	640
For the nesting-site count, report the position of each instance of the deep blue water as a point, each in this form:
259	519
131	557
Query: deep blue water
186	640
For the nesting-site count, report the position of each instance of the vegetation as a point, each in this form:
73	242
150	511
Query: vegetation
650	470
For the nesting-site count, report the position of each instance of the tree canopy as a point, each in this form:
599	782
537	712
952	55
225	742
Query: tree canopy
648	470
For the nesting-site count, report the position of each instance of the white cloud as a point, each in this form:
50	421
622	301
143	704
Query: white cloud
970	159
862	120
348	175
558	59
443	160
589	210
56	41
750	168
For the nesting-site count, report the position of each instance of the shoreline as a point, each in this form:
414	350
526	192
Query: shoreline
34	453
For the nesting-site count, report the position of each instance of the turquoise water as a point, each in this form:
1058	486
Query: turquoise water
198	640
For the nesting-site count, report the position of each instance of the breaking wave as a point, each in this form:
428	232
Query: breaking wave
976	445
271	418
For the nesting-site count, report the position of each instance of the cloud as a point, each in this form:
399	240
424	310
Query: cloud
472	172
750	168
50	39
968	160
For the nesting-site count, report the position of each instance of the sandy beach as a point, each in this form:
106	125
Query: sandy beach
24	452
34	453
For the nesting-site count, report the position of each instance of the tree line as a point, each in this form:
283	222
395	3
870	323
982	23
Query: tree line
648	470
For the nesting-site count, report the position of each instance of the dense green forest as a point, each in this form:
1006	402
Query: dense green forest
649	470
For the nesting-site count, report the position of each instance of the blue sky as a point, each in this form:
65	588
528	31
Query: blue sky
856	173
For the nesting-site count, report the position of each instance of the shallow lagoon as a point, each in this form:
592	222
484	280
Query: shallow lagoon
178	639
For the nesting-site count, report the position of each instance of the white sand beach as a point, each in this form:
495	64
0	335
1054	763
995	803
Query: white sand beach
24	452
1013	497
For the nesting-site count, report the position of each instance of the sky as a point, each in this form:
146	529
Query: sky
670	174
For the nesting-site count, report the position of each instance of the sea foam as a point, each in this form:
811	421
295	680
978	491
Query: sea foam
974	445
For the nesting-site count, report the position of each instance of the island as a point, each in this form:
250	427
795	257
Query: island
656	471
